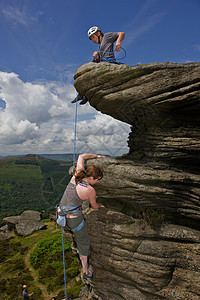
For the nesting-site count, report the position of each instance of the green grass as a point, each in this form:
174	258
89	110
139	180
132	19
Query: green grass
34	183
36	260
31	183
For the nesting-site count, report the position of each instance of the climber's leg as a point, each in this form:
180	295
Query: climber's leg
80	97
84	261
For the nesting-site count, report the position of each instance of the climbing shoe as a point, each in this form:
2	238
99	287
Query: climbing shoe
85	100
89	275
78	97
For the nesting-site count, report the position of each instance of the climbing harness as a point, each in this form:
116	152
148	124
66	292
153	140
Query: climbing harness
110	59
63	211
120	58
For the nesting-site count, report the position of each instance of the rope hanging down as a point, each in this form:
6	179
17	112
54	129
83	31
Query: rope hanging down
74	159
64	264
75	122
111	60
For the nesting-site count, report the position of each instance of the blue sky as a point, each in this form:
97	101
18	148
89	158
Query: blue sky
43	42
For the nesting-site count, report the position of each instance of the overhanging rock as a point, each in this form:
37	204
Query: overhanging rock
160	174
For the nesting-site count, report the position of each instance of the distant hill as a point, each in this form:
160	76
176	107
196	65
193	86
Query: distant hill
31	182
64	157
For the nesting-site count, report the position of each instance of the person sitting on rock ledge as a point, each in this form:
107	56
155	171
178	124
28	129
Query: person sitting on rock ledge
79	189
106	44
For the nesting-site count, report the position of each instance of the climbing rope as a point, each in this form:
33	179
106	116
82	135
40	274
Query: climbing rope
64	264
111	59
120	58
75	122
74	159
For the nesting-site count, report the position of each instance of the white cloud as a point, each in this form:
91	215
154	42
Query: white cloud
146	18
39	118
20	15
103	135
29	105
14	13
196	47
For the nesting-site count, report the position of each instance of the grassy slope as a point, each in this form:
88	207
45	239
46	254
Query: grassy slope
31	182
16	268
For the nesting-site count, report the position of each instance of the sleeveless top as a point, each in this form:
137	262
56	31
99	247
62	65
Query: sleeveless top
70	198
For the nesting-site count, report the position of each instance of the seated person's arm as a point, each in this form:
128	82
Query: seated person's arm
120	38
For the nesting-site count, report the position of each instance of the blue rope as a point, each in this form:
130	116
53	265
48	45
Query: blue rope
64	264
110	59
74	155
74	158
113	58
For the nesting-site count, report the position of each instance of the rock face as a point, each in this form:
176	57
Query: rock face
132	261
160	101
5	236
25	224
145	244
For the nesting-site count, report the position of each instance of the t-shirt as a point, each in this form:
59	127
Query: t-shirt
25	295
70	198
107	45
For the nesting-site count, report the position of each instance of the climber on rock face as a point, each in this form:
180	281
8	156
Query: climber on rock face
106	44
79	189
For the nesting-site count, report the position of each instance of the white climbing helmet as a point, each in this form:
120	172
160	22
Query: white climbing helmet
93	30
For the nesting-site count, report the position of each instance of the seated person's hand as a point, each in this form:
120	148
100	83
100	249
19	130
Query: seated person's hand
96	55
118	46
